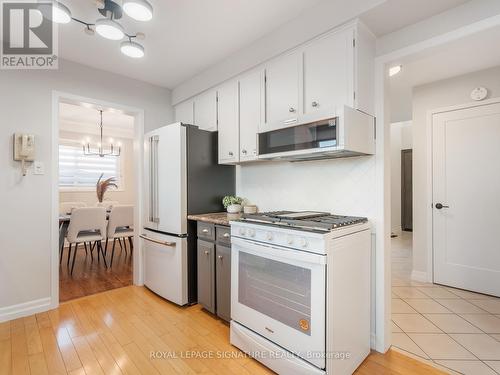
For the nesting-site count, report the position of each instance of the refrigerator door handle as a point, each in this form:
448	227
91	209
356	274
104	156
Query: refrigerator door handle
153	216
150	216
165	243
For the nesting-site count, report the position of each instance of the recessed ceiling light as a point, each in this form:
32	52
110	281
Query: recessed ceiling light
395	70
132	49
56	12
140	10
109	29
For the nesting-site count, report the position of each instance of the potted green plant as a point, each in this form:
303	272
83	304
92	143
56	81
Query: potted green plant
232	204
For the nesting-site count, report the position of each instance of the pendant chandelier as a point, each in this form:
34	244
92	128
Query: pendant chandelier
107	26
113	150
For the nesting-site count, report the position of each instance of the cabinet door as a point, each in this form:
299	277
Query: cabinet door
206	275
184	112
205	110
250	114
282	92
228	123
223	272
328	65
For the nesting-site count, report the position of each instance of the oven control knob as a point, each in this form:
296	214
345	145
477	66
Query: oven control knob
269	236
303	242
242	231
289	240
251	233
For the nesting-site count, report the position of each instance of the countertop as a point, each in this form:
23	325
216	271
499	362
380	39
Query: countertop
219	218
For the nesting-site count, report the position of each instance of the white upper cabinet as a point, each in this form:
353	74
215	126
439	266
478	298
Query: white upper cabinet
228	123
282	85
328	70
205	110
184	112
250	86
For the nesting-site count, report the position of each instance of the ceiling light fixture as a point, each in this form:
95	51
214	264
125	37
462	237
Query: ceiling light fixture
107	27
139	10
56	12
395	70
87	151
132	49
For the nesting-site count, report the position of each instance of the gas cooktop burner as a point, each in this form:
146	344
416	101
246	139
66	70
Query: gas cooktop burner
308	220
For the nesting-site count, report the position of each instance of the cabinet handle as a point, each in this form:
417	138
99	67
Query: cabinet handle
230	153
220	257
315	104
255	152
207	252
205	230
226	235
244	152
292	110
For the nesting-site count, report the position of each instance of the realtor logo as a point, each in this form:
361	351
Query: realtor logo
28	38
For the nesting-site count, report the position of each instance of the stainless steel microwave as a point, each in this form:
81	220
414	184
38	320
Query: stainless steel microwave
350	133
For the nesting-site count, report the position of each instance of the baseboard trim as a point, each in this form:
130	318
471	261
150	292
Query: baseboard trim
24	309
419	276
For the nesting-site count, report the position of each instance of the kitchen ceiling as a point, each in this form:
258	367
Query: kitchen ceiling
186	37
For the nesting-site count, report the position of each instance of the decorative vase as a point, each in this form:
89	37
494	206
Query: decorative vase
234	208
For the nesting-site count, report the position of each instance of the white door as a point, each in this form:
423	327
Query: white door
466	198
205	110
228	123
282	92
328	75
184	112
250	114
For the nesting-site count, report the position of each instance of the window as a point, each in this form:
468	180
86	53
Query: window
82	172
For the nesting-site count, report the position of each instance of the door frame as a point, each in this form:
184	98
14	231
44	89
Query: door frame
138	146
430	173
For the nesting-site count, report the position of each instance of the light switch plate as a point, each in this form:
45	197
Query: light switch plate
38	168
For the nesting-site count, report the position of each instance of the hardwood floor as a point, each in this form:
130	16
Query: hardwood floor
91	277
115	332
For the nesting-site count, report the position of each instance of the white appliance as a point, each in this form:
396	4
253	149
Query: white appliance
182	177
349	133
300	291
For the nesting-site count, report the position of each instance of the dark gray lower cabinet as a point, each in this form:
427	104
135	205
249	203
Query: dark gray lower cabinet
223	281
214	269
206	275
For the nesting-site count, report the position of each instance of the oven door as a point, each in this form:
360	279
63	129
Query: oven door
280	294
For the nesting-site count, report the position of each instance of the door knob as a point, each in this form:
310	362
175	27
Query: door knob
440	206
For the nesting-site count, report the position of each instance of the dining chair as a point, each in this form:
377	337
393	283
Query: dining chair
65	208
87	225
120	227
108	204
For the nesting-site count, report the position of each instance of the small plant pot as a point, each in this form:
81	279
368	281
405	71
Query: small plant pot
234	208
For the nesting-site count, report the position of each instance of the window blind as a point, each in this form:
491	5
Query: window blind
77	170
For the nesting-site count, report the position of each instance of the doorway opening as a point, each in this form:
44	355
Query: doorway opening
98	197
449	317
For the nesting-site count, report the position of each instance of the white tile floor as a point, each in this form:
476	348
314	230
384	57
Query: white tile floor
457	330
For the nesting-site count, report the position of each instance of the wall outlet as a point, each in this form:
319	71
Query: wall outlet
38	168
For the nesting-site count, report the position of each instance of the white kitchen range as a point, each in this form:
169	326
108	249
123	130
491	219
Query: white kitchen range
300	291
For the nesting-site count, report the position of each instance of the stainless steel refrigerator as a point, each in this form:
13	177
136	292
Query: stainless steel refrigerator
182	177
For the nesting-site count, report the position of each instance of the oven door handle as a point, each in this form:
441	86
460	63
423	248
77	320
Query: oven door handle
282	254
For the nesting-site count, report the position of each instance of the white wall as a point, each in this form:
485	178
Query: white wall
401	139
125	194
342	186
25	214
445	93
